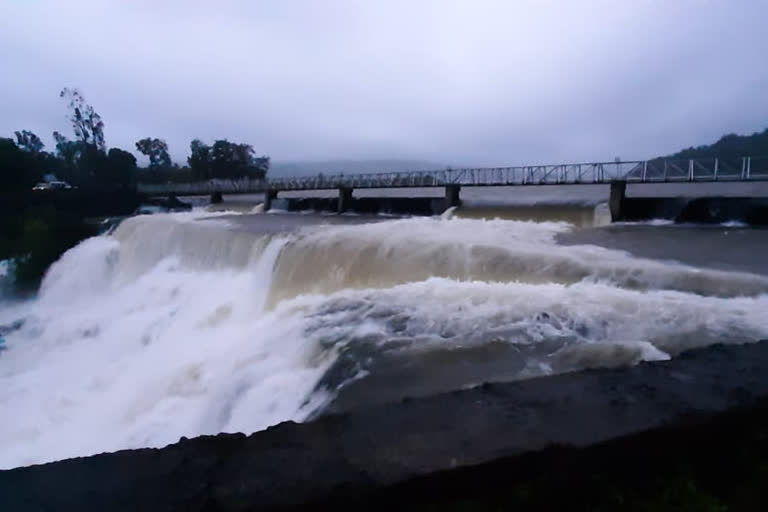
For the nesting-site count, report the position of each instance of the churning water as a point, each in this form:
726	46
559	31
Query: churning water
174	326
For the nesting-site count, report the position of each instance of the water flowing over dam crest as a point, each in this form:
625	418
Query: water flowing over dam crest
175	326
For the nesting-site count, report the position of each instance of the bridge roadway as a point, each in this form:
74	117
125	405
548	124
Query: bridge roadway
617	173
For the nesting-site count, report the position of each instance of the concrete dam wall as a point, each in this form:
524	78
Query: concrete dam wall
703	210
699	210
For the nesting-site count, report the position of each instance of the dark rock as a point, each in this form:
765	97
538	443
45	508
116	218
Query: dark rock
716	210
346	456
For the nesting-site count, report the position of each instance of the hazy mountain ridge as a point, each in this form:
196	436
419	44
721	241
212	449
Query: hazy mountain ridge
731	145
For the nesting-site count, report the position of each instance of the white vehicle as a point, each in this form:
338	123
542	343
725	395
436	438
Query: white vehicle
53	185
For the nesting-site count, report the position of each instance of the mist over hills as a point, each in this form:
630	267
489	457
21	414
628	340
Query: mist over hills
730	145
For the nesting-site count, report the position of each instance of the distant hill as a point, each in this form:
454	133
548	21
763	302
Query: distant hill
729	146
312	168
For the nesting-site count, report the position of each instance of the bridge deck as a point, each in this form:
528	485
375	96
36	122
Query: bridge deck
639	171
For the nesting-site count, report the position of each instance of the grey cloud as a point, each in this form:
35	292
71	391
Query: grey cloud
481	82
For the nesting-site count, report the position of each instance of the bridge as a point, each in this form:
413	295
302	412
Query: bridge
617	173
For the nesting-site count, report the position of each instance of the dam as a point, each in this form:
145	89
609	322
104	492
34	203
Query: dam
339	193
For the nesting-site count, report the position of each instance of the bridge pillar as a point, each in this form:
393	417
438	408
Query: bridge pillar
345	199
452	193
616	202
269	195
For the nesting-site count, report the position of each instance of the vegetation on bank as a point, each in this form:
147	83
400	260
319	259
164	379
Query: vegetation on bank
36	227
36	238
729	146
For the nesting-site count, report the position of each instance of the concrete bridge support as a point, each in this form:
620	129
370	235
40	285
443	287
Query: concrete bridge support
616	202
269	195
345	199
452	198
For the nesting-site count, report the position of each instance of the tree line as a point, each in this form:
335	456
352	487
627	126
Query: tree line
85	160
37	227
728	146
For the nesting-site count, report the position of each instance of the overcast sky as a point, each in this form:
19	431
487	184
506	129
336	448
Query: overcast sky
459	82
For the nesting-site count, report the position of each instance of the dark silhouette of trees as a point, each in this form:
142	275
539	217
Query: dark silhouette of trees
28	141
226	160
86	123
68	153
200	160
85	158
18	169
120	167
729	146
84	161
157	152
37	226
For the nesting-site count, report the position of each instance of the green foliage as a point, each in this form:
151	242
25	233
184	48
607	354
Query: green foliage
37	239
86	123
199	160
120	167
68	151
226	160
28	141
729	146
157	152
34	238
20	170
173	174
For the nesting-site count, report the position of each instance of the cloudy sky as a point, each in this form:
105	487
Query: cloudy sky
459	82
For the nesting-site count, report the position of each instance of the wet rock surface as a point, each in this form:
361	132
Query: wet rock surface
350	455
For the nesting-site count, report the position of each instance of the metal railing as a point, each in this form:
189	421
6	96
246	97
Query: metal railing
637	171
239	186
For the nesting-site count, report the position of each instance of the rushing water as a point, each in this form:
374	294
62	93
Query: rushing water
177	325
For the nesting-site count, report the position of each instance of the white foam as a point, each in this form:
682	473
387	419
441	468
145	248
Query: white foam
651	222
178	327
448	213
102	364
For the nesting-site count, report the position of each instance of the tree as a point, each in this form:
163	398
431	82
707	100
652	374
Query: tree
120	167
69	152
730	146
28	141
19	169
157	151
87	124
200	160
226	160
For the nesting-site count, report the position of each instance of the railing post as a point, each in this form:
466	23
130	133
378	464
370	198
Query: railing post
645	171
743	167
749	167
616	201
690	170
717	165
269	195
452	195
345	198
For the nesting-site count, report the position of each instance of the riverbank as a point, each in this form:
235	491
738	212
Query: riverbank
349	456
704	463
